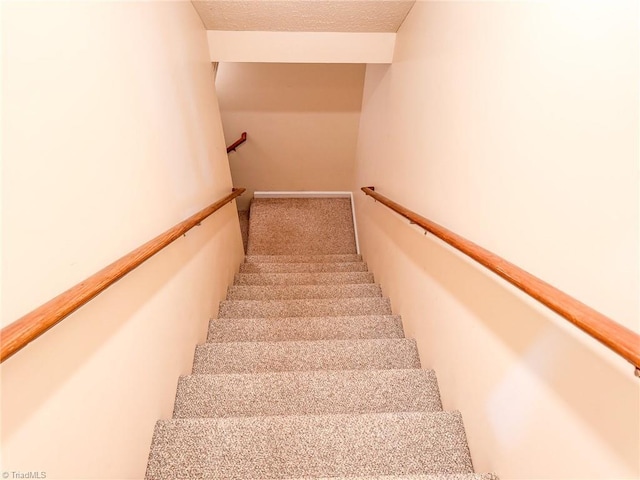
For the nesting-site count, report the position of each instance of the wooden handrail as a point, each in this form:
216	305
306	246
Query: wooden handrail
618	338
18	334
237	143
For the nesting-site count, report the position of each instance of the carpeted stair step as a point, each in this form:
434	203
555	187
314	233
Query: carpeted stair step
306	374
304	328
307	393
302	258
318	278
315	446
291	292
313	307
301	226
442	476
257	357
302	267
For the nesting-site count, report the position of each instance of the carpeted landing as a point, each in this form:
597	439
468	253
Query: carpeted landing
307	373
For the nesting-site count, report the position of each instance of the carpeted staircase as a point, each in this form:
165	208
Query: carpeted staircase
306	373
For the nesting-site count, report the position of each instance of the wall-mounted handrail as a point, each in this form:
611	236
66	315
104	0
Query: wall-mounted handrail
237	143
18	334
618	338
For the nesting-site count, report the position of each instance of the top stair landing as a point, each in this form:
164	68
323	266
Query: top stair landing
301	226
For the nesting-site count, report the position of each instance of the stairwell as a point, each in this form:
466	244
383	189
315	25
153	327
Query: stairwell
307	373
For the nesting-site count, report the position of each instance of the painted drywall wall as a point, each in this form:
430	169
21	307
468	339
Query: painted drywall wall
514	124
300	47
111	135
301	121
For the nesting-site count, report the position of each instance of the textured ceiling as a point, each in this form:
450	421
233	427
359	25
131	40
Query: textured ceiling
303	15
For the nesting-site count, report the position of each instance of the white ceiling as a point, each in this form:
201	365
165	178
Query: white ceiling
303	15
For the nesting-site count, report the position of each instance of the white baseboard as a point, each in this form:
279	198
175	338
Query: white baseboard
301	194
314	194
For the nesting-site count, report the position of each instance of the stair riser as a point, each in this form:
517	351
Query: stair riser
379	354
316	328
292	292
304	308
444	476
307	393
302	267
302	258
303	278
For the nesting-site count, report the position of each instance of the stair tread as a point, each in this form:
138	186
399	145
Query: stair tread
302	258
325	445
289	267
305	328
316	278
307	393
255	357
290	292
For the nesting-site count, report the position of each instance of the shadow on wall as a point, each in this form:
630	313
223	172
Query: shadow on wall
604	397
243	217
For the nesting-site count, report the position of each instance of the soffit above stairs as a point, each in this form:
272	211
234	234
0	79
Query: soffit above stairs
355	16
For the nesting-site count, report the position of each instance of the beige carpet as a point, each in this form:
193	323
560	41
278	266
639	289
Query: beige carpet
307	373
290	226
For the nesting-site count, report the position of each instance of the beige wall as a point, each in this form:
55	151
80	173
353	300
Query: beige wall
300	47
301	121
111	135
516	125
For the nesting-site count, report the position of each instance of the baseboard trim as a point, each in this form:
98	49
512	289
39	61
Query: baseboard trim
316	194
310	194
